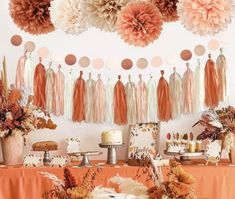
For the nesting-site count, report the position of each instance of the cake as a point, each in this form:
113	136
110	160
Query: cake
112	137
45	146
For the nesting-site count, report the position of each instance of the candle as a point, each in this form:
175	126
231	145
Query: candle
168	143
198	145
192	146
5	76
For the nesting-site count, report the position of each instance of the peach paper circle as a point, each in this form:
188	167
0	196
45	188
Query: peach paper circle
213	44
16	40
84	62
43	52
70	59
186	55
199	50
98	63
156	61
29	46
126	64
142	63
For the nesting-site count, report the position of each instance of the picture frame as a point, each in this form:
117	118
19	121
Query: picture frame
143	141
213	151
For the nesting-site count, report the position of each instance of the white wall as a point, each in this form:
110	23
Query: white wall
111	48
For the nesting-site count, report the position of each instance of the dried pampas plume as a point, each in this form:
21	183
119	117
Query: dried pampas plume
139	23
205	17
67	16
103	13
32	16
168	9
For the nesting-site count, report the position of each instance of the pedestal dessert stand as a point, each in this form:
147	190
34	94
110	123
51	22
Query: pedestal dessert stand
85	157
46	157
185	157
112	152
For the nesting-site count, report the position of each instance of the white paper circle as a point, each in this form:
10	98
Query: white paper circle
226	38
171	59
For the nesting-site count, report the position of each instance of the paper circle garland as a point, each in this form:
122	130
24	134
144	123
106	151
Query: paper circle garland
98	63
156	61
43	52
29	46
102	14
126	64
67	16
84	62
213	44
70	59
16	40
32	16
204	17
199	50
139	23
186	55
142	63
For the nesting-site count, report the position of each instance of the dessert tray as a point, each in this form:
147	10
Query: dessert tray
46	157
186	156
85	157
112	152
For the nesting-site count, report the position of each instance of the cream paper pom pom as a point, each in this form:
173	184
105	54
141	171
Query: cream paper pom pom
102	14
205	17
67	16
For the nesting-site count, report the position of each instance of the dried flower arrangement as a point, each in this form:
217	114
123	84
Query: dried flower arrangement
69	189
219	125
177	186
18	118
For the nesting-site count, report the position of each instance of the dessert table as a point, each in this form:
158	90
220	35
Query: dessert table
27	183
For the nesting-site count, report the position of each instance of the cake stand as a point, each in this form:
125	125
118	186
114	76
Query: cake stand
85	157
46	157
186	156
112	152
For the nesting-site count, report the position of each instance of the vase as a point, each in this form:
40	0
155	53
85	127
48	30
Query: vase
13	149
232	155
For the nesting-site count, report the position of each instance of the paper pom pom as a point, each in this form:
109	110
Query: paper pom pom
168	9
32	16
103	13
204	17
67	16
139	23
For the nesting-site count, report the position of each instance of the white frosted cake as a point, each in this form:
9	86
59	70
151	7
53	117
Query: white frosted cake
113	137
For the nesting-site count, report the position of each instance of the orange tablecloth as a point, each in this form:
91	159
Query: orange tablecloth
27	183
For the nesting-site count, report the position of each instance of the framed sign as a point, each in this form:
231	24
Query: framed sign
213	151
73	145
144	140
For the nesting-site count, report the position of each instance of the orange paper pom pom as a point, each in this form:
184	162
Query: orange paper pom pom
139	23
32	16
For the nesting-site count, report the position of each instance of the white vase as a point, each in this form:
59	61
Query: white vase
13	149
